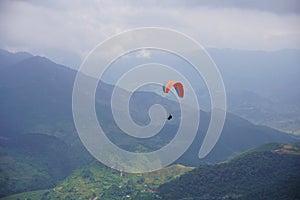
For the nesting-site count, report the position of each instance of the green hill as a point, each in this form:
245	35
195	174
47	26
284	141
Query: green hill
269	172
36	161
96	180
33	195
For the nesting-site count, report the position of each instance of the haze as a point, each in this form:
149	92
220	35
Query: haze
65	31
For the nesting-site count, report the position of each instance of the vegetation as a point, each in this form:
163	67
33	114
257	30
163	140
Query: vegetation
36	161
270	172
96	180
36	96
34	195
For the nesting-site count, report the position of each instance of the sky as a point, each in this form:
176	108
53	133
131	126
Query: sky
65	31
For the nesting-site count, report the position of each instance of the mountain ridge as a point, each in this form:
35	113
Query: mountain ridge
260	173
44	106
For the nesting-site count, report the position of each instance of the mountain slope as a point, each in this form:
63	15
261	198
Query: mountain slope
262	87
238	135
98	181
8	59
36	96
269	172
36	161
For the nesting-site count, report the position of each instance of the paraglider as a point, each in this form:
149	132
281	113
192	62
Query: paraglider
178	87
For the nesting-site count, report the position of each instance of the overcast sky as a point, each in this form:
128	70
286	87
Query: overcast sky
66	31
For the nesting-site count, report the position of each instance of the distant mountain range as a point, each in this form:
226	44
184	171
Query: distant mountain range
262	87
35	105
36	97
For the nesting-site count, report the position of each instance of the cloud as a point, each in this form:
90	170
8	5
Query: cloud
144	53
73	28
273	6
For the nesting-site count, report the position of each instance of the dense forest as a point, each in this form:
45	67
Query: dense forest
269	172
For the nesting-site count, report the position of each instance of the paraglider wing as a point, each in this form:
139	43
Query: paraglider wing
177	85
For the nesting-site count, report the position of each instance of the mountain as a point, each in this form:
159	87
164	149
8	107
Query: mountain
36	161
269	172
268	73
36	97
36	107
97	181
238	135
275	111
262	87
112	184
8	59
